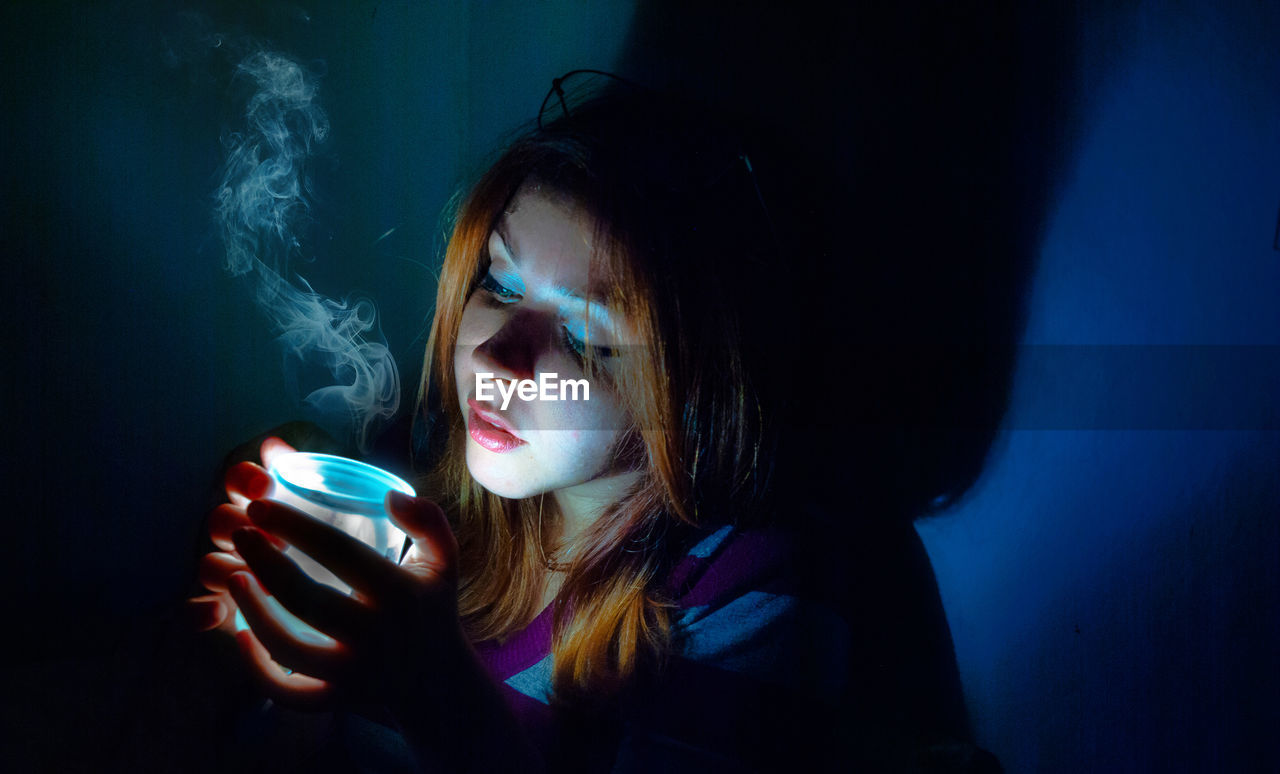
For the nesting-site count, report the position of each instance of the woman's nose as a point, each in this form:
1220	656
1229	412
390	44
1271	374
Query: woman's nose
513	349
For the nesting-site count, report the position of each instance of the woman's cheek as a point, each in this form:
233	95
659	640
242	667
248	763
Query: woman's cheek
578	456
588	431
477	324
582	417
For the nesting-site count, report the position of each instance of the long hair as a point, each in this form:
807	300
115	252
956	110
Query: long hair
674	249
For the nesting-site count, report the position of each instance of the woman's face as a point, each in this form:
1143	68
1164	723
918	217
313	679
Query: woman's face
528	320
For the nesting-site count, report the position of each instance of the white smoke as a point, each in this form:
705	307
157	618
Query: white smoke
262	200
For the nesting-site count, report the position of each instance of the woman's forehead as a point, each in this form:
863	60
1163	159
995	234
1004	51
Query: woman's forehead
546	241
537	206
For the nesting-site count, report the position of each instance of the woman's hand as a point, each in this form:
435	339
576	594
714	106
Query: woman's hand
243	482
398	631
396	640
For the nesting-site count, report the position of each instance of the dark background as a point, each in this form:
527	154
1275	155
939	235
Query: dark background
1098	185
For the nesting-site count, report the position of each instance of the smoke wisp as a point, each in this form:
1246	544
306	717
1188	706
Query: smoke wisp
262	201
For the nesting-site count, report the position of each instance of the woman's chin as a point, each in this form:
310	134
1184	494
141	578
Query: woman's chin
509	492
490	474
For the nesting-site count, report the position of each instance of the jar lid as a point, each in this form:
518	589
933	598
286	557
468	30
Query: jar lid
337	483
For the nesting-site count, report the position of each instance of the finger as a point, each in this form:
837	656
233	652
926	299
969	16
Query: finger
246	481
317	604
290	643
357	564
215	568
205	612
271	448
233	622
425	522
226	519
294	690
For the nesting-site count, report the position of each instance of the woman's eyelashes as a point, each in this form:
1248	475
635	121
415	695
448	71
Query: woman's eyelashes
576	346
497	290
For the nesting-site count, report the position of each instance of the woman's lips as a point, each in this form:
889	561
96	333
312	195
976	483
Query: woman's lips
490	430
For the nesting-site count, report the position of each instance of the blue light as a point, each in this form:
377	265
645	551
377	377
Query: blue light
338	483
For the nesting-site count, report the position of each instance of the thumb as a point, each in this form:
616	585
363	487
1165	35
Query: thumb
425	522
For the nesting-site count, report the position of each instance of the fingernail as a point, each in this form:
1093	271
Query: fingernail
239	581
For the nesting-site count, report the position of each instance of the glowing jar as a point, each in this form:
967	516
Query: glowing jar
344	493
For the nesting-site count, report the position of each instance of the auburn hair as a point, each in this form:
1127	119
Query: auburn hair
673	247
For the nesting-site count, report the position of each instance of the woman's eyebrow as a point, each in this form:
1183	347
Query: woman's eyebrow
559	291
595	310
594	300
571	294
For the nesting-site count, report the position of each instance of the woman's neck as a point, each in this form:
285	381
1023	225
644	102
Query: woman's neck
581	506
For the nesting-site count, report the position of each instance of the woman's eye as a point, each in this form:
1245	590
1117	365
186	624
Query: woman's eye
497	289
578	347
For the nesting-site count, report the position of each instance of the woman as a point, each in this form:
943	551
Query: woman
595	584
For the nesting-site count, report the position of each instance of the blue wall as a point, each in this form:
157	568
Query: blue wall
1112	581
